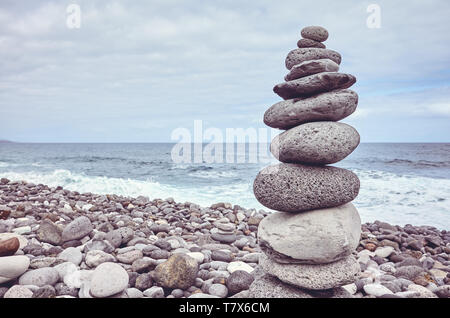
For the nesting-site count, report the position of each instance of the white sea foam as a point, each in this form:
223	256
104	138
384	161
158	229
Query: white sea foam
383	196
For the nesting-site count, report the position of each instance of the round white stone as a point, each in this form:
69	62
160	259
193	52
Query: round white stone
108	279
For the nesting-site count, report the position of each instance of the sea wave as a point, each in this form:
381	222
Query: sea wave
398	199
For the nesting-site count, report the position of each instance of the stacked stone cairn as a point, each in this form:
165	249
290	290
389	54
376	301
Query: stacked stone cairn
308	244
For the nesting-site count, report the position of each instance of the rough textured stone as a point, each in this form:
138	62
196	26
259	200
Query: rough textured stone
12	267
46	291
49	232
314	84
329	106
305	43
314	277
311	67
322	142
18	291
295	188
77	229
97	257
316	33
312	237
238	281
40	277
108	279
9	247
298	56
270	287
179	271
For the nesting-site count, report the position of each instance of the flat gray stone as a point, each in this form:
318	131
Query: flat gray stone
314	84
49	232
77	229
40	277
291	187
304	43
18	291
311	67
316	33
298	56
311	237
329	106
322	142
314	277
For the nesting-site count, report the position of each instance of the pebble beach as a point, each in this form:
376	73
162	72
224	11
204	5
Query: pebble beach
64	244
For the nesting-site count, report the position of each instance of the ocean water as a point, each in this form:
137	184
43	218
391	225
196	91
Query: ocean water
400	183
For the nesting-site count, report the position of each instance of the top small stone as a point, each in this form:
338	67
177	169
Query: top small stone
316	33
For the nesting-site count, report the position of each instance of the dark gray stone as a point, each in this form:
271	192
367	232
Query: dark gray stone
305	43
298	56
329	106
314	84
311	67
316	33
322	142
238	281
295	188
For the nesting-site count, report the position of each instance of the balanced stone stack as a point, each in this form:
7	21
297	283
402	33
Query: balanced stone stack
308	244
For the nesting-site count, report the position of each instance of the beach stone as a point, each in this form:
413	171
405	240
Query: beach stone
218	290
9	247
154	292
100	245
143	281
12	267
295	188
198	256
315	277
238	281
49	232
316	33
18	291
179	271
221	256
322	142
142	265
314	84
65	269
300	55
40	277
71	254
108	279
312	237
304	43
239	266
311	67
384	252
443	291
224	238
77	229
46	291
97	257
23	242
409	272
329	106
423	291
377	290
130	256
134	293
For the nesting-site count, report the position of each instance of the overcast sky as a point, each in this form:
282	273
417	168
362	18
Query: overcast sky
136	70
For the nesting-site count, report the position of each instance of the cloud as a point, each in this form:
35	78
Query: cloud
169	62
